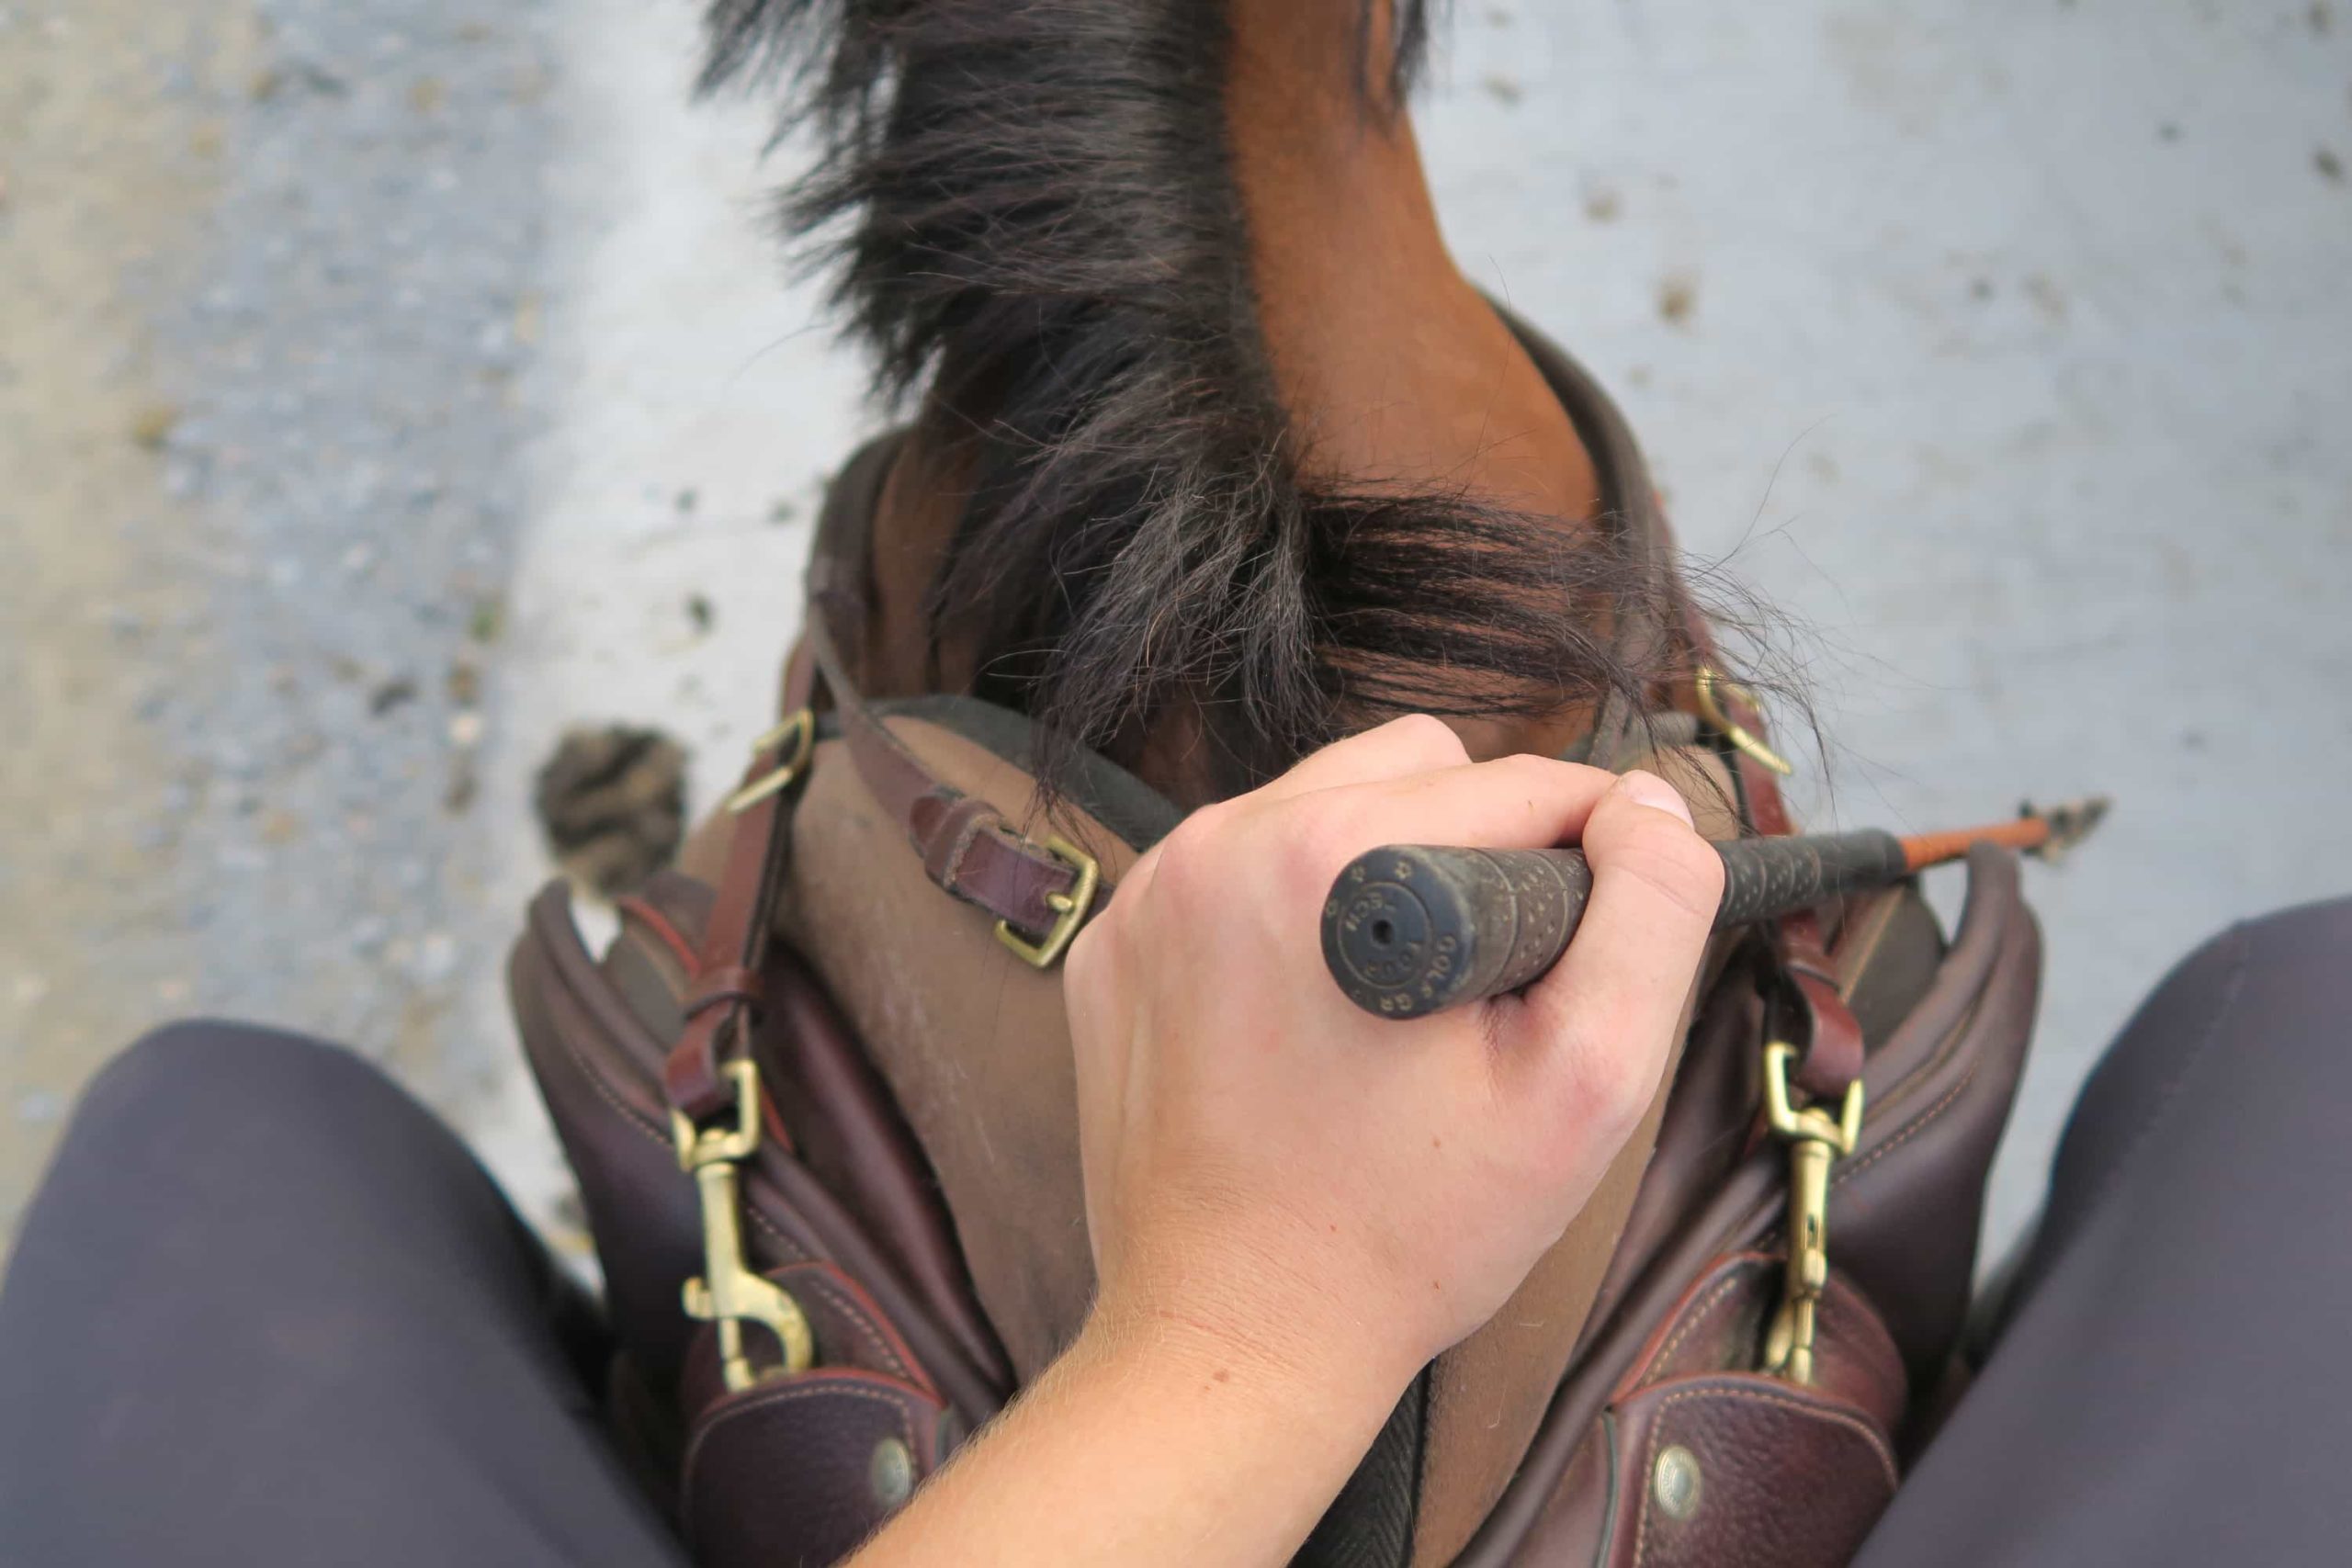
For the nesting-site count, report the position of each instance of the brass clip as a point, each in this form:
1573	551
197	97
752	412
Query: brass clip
1070	908
1816	1143
800	728
1705	681
727	1293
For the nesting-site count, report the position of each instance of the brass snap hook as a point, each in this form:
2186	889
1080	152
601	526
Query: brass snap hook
727	1293
1816	1143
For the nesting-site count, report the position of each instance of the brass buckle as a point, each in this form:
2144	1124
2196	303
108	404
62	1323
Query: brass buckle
800	728
727	1293
1703	682
1070	908
1816	1143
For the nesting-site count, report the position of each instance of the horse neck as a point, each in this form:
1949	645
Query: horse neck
1392	367
1393	373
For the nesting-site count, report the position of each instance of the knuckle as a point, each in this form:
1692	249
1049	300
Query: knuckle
1204	825
1085	977
1313	846
1429	741
1190	856
1538	778
1225	857
1090	956
1601	1070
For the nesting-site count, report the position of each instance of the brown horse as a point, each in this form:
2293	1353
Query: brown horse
1220	454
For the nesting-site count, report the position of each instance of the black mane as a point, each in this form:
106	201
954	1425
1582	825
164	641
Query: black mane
1040	239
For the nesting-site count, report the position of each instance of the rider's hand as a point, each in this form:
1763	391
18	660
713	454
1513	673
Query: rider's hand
1274	1178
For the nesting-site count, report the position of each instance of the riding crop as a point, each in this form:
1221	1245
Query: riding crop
1409	929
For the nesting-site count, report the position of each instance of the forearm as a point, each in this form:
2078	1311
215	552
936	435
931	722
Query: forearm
1139	1450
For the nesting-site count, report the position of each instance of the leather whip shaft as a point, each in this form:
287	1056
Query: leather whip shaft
1409	929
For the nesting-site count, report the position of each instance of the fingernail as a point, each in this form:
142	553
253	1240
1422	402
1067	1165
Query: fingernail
1648	789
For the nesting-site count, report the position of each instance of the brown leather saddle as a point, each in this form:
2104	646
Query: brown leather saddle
823	1122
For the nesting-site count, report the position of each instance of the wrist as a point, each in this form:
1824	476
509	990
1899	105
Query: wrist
1150	1439
1287	1375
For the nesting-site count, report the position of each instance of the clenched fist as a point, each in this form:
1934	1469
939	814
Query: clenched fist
1295	1188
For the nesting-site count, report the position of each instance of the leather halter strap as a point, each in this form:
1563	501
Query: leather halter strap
1628	517
970	849
726	992
1824	1027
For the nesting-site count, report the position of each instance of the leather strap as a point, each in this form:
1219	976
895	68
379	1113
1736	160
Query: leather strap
1823	1024
1833	1037
725	991
1823	1027
968	848
1818	1019
1632	522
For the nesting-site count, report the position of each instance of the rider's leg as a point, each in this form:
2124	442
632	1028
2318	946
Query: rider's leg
266	1309
2172	1384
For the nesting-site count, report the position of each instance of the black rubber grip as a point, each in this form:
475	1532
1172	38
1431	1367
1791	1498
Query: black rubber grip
1412	929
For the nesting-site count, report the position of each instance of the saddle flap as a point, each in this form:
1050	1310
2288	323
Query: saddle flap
1702	1461
837	1186
972	1040
1902	1226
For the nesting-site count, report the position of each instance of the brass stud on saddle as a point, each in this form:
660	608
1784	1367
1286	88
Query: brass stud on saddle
1676	1482
891	1472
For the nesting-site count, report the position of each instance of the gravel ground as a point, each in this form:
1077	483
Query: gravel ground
354	400
271	530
